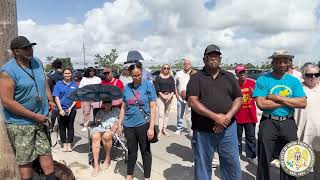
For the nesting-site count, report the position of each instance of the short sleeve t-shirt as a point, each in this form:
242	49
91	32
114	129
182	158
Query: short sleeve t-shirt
63	91
287	86
143	94
216	94
114	82
247	112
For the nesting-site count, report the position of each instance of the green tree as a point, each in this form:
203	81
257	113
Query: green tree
178	64
66	63
250	66
106	60
266	65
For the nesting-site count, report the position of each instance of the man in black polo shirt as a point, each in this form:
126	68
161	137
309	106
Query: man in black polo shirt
214	96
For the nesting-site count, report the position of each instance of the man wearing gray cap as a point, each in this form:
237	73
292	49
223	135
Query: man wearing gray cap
24	94
277	94
214	96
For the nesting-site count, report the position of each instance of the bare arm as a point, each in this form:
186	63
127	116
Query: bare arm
293	102
236	104
153	109
61	112
7	98
121	117
264	103
52	105
197	106
121	114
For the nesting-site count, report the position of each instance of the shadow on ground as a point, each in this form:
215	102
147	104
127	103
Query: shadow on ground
121	168
184	152
178	172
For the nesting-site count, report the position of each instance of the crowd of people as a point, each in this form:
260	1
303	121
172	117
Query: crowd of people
215	105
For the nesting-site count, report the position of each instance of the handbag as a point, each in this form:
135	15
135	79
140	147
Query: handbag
145	117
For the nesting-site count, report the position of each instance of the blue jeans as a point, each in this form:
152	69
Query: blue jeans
181	107
226	143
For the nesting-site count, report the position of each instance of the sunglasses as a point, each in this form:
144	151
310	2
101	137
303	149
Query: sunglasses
166	68
310	75
106	73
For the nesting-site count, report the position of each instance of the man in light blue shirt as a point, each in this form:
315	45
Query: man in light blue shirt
24	94
277	94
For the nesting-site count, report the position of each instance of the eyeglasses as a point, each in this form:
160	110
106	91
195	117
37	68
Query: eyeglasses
166	68
106	73
310	75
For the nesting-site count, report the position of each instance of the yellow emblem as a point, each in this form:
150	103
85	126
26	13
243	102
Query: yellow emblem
297	158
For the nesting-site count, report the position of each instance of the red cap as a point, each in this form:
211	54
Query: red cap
239	68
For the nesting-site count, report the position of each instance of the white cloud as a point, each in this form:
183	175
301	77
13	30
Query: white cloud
246	30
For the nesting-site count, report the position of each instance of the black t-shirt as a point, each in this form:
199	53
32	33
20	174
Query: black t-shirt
164	85
216	94
53	78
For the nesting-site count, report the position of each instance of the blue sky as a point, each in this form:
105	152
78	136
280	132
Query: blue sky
55	11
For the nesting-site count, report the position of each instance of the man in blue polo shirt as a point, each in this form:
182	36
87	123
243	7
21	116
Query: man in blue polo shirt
277	94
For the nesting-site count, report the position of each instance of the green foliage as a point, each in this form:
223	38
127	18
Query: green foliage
266	65
106	60
66	63
250	66
178	64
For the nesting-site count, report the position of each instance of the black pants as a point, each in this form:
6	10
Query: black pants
54	115
66	124
251	142
135	136
272	133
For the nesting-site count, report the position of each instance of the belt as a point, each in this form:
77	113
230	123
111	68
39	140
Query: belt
277	118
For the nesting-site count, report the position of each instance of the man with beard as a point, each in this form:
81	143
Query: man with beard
214	96
24	94
277	94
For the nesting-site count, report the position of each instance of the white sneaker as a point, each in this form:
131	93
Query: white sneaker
84	129
178	132
253	161
275	163
215	163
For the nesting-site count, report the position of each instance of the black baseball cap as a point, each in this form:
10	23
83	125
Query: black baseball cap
212	48
20	42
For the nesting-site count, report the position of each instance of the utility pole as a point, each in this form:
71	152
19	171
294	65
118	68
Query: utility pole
84	56
8	27
8	31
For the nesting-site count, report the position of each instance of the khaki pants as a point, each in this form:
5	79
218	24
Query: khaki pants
163	109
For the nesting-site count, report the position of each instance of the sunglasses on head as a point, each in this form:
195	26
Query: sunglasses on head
166	68
309	75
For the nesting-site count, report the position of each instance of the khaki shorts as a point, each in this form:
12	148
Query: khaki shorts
28	142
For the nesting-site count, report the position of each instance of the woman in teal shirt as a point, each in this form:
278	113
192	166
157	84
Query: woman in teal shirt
137	115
